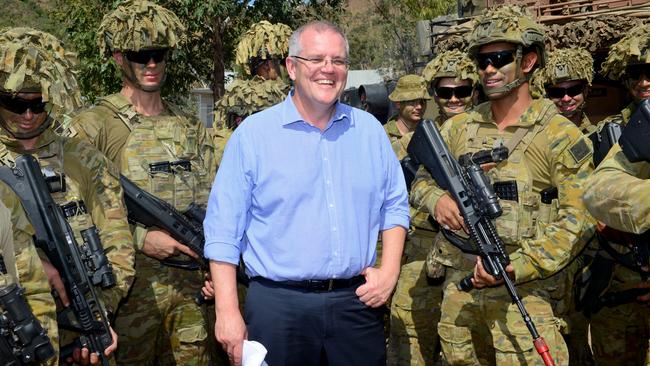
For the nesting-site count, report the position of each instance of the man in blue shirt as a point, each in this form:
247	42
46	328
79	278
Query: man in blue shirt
302	191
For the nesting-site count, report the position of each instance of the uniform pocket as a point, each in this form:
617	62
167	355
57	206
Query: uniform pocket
192	334
457	345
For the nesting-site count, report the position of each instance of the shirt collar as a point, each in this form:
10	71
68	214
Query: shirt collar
291	115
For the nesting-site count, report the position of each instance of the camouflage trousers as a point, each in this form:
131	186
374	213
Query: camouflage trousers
620	335
414	310
574	325
160	324
483	327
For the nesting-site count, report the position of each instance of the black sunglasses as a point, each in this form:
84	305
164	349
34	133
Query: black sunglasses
559	93
635	71
143	57
20	106
446	92
496	59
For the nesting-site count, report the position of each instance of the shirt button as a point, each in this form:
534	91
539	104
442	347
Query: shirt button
327	182
331	205
333	229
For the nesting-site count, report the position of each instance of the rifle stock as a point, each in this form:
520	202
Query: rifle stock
86	314
478	204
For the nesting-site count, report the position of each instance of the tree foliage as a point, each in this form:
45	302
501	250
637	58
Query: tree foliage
213	31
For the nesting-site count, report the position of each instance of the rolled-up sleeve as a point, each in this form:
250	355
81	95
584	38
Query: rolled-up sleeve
229	203
395	210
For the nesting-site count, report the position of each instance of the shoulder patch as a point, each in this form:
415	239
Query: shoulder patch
579	151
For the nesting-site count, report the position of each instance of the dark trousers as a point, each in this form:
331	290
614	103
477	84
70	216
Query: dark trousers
304	328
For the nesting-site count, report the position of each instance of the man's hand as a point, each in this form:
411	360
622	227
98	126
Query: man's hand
378	287
230	331
447	214
84	357
483	279
56	283
644	298
159	245
208	288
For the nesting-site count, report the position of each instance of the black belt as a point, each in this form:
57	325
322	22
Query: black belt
315	285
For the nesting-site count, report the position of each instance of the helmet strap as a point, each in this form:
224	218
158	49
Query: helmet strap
520	78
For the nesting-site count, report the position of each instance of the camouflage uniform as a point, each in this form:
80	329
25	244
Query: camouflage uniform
262	41
483	326
568	65
251	93
415	304
159	323
620	335
23	264
91	185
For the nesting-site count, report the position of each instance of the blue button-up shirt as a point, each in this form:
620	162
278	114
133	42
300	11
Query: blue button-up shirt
301	203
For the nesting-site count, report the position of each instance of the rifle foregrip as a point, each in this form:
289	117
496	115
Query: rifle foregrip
466	284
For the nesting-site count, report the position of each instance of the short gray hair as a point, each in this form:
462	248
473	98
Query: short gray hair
319	26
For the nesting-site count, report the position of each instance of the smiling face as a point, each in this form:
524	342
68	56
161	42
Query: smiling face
453	105
492	77
318	86
25	123
639	87
569	105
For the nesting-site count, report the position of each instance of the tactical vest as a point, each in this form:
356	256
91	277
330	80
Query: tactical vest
524	215
161	154
66	191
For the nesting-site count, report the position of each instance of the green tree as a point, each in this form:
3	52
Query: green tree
213	30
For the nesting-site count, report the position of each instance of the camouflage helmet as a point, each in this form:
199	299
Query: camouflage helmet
35	61
451	64
262	41
511	24
245	97
409	87
632	49
139	24
567	64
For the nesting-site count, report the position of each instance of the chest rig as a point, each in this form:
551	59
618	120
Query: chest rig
524	214
66	191
161	154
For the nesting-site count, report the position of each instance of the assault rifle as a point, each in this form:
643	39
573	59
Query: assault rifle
470	188
23	341
604	139
75	264
186	228
151	211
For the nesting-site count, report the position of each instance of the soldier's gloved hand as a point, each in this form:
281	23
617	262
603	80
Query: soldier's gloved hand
159	245
483	279
84	357
448	215
56	283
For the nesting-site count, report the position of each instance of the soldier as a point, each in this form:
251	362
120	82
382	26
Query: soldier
243	98
37	88
163	151
546	150
566	78
452	78
23	266
262	50
620	334
413	339
260	55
